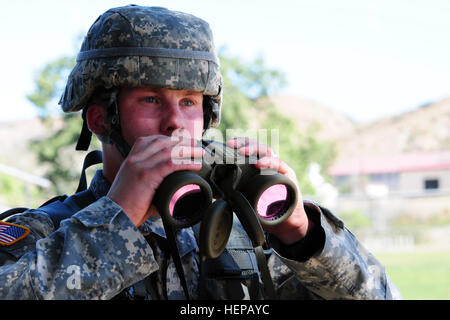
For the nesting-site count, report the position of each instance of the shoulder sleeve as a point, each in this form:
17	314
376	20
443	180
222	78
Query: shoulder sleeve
343	268
95	254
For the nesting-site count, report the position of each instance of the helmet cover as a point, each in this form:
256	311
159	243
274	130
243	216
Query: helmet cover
136	46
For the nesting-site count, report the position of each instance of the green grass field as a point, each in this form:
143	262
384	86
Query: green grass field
419	275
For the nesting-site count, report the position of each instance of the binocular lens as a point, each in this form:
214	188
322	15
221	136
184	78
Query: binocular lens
185	201
273	202
182	197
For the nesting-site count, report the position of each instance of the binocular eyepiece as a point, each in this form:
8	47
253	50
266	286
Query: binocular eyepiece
258	197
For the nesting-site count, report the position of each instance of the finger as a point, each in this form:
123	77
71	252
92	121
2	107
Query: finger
239	142
249	146
260	150
277	164
186	153
164	168
270	163
151	173
177	155
146	147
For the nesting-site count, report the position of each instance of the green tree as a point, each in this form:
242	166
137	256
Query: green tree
49	85
57	151
244	85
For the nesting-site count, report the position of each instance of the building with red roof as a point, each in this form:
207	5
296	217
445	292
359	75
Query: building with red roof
407	173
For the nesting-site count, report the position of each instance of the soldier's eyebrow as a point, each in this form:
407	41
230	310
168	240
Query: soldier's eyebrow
186	92
191	92
149	88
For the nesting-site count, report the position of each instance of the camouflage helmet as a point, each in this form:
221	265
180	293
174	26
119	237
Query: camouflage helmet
134	46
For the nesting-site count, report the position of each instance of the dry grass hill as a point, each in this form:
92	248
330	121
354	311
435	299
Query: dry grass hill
332	124
426	128
15	137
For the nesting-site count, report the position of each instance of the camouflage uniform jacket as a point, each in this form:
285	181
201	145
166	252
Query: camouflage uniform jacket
98	254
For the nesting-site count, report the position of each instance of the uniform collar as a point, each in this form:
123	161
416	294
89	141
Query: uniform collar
99	185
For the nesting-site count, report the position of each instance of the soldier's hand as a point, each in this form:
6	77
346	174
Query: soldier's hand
297	225
150	160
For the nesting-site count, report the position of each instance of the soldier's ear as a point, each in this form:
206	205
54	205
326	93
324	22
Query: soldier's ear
95	117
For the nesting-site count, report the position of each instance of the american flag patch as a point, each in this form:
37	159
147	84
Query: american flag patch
11	233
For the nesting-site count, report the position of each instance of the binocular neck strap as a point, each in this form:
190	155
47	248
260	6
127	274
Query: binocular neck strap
249	221
269	288
170	234
92	158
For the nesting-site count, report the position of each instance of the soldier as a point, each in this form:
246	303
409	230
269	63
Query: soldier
149	84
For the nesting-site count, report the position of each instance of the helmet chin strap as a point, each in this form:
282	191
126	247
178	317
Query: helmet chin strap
114	135
84	140
121	145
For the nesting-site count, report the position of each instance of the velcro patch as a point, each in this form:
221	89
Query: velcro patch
11	233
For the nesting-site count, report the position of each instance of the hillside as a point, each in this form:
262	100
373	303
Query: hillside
333	125
15	139
425	128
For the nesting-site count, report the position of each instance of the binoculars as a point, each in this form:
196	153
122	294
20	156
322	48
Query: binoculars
227	182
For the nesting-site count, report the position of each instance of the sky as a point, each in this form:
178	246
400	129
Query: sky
366	59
